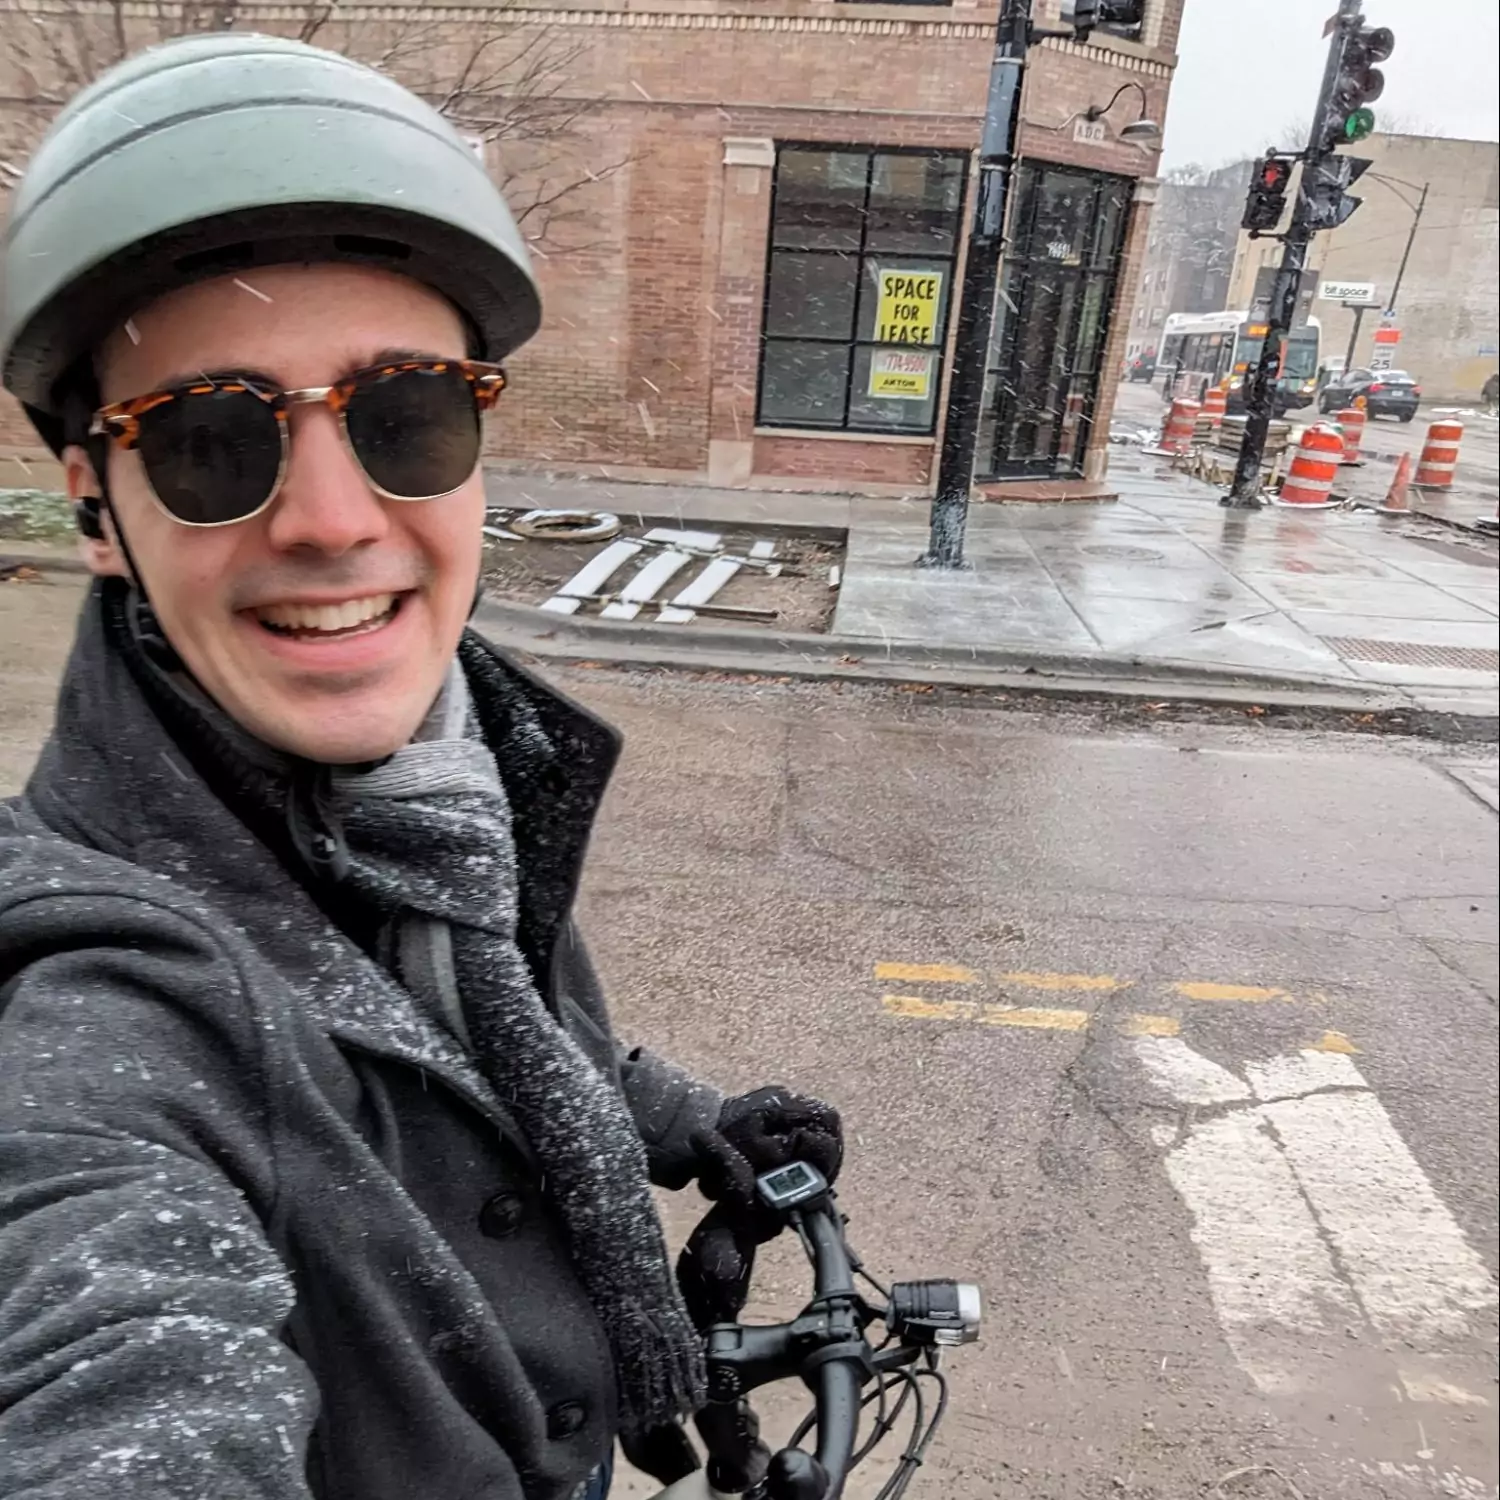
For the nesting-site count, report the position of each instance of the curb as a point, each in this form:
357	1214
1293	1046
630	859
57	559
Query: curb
1098	677
844	658
15	553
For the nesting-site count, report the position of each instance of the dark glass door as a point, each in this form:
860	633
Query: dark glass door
1052	320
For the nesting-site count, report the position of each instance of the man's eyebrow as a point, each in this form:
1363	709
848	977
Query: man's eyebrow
398	356
228	372
270	382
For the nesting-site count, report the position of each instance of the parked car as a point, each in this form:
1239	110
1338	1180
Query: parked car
1387	393
1142	367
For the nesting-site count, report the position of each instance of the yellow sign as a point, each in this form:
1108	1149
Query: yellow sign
908	311
906	377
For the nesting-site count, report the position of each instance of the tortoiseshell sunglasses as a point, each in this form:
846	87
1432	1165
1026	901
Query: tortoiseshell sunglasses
215	451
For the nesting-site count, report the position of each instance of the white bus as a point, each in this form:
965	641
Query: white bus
1201	349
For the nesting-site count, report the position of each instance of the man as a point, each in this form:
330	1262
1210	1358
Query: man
321	1172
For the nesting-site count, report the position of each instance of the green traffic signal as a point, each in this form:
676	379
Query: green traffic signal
1358	124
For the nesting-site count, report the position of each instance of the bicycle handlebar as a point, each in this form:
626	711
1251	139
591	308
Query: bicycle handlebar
827	1348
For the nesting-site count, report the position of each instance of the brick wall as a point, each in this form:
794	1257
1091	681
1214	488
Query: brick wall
653	284
873	465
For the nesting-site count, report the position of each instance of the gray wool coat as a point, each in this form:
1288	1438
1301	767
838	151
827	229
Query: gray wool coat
265	1230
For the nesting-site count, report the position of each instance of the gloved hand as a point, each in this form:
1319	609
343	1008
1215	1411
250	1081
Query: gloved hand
758	1132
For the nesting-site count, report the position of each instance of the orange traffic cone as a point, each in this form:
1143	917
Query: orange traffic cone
1397	502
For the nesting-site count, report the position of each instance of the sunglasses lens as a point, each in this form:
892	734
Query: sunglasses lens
415	432
211	457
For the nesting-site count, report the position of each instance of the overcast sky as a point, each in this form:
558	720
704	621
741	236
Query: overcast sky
1248	67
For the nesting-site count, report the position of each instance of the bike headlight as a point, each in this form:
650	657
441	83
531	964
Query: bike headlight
937	1313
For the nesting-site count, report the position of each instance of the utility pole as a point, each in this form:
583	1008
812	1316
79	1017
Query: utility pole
1358	309
1014	33
976	308
1406	254
1339	118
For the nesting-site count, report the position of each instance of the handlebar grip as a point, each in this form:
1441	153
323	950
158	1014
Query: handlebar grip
838	1421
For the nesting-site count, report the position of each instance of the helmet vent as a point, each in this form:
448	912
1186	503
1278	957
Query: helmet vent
221	258
367	244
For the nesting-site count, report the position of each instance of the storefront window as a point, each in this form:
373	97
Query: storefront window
858	287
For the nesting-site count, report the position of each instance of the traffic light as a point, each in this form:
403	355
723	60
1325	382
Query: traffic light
1117	17
1267	198
1359	82
1325	185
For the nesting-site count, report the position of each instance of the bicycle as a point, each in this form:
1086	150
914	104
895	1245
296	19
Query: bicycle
828	1347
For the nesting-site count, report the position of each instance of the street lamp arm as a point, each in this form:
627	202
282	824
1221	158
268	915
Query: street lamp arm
1390	183
1098	111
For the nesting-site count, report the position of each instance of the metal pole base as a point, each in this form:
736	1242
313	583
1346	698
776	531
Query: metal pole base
952	565
1231	501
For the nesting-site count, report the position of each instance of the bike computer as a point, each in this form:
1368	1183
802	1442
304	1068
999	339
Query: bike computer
792	1186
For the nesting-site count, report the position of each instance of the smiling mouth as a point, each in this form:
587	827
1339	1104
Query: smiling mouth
328	622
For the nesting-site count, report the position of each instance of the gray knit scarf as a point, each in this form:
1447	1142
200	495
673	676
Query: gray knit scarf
429	841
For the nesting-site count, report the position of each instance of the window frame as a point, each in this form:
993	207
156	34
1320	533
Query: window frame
862	256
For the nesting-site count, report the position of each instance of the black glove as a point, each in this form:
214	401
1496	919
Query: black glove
758	1132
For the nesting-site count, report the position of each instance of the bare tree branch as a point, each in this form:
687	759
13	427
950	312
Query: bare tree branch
500	83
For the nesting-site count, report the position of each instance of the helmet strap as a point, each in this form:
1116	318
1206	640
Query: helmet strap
89	513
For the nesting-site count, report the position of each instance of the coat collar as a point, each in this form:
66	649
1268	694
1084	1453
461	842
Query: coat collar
128	773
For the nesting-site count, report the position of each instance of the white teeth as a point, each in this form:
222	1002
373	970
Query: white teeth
329	617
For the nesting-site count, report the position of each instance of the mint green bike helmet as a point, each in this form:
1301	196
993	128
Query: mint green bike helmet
218	153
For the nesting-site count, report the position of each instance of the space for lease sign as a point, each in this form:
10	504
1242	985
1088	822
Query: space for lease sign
908	309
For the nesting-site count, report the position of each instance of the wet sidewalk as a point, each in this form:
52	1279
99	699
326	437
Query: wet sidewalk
1166	574
1163	578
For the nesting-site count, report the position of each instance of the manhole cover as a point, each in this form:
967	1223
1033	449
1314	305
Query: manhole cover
1118	553
1457	551
1415	654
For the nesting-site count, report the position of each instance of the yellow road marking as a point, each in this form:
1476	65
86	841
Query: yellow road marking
1040	1020
1151	1026
1034	1018
1335	1041
930	973
914	1007
1046	981
1193	990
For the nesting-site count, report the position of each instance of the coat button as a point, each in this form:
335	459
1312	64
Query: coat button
555	780
502	1215
566	1419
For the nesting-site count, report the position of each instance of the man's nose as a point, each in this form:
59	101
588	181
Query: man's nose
326	503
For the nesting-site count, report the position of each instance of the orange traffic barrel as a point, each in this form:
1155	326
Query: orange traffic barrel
1214	402
1352	424
1440	454
1177	435
1309	482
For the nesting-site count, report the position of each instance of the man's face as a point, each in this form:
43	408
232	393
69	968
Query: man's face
249	607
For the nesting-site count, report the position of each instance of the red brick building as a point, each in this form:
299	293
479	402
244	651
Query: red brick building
758	288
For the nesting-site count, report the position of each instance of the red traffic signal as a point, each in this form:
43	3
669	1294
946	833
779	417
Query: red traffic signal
1266	202
1274	173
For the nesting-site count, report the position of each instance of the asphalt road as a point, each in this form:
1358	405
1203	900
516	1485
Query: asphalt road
1180	1041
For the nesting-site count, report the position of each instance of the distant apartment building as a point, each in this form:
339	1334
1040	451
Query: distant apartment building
1190	250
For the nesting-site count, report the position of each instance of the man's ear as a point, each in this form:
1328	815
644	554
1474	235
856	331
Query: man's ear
102	552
